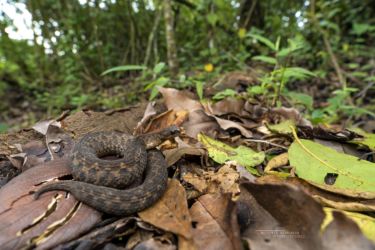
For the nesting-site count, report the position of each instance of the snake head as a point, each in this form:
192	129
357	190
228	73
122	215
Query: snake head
153	140
170	132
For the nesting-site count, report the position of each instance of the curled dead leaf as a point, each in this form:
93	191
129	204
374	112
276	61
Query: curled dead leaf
215	222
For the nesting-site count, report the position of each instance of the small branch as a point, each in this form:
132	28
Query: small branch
266	142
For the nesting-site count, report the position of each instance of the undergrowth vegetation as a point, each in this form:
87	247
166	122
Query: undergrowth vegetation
316	55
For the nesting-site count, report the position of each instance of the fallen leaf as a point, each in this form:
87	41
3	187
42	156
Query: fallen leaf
289	114
215	222
166	119
42	126
333	171
283	127
343	233
225	180
322	196
200	122
221	152
178	100
59	142
279	217
364	222
276	162
175	154
171	213
27	221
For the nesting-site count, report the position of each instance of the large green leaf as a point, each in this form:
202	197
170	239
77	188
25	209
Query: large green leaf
221	153
124	68
331	170
266	59
263	40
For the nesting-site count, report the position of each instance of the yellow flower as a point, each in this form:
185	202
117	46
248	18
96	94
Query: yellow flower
209	67
241	33
345	47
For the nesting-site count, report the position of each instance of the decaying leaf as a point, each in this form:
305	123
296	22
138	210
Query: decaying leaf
322	196
221	152
279	216
175	154
215	222
225	180
171	214
343	233
364	222
178	100
276	162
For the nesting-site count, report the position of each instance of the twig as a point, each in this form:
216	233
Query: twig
266	142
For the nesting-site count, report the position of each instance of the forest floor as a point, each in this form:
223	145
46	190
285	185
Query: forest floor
242	175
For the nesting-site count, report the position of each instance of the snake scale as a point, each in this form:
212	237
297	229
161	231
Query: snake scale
100	183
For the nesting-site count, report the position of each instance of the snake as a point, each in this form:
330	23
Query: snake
131	182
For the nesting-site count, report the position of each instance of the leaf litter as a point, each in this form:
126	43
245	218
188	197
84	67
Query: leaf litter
239	179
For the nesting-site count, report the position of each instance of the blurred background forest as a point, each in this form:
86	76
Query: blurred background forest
318	54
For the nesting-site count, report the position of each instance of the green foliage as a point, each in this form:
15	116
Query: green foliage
279	58
223	94
71	61
124	68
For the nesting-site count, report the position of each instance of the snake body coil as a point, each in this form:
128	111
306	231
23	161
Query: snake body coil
100	183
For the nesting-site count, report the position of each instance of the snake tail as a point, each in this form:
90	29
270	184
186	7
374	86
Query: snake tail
116	201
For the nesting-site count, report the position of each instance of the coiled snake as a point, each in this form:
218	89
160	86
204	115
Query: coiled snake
100	183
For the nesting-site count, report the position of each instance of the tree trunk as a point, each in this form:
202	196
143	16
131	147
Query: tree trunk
251	14
170	36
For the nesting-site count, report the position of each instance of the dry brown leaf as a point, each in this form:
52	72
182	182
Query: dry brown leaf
227	106
166	119
19	211
154	244
227	124
150	111
59	142
171	214
225	180
344	234
101	235
42	126
178	100
323	197
295	217
200	122
288	114
175	154
215	222
21	185
277	161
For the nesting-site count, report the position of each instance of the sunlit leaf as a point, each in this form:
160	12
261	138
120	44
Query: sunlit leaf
266	59
221	153
158	67
199	89
263	40
225	93
124	68
331	170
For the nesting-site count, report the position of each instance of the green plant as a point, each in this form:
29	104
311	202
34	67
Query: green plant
338	104
279	58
